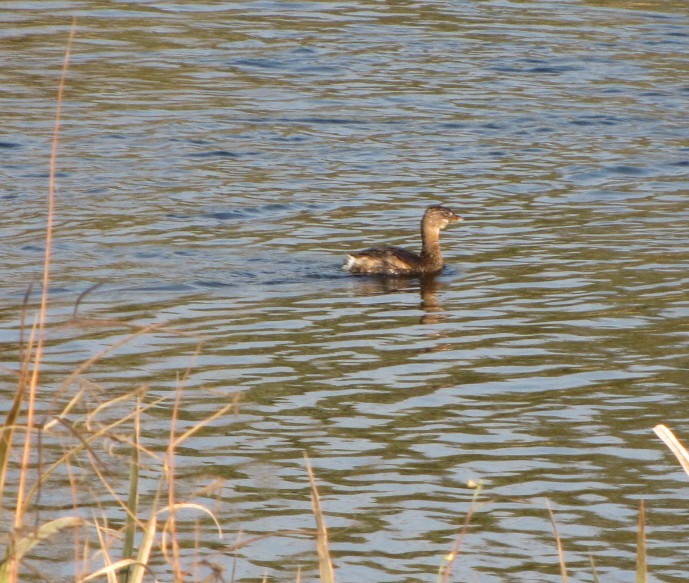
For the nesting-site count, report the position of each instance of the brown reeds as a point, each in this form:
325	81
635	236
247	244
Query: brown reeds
37	332
33	474
25	397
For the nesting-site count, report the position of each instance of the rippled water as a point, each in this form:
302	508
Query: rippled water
216	162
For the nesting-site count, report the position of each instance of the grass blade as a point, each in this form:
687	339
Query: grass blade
558	541
445	570
641	568
324	562
674	444
146	543
108	570
133	496
23	544
594	573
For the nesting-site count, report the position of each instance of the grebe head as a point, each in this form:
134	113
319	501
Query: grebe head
439	216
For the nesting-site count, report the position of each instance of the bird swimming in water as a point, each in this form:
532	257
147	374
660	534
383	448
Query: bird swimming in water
395	261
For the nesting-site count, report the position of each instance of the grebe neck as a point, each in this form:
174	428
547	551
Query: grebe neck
431	257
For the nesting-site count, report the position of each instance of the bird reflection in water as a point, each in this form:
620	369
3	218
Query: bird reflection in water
428	287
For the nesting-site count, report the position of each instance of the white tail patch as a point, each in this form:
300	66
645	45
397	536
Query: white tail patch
349	263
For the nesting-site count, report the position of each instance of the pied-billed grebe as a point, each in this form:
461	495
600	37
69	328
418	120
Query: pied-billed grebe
397	261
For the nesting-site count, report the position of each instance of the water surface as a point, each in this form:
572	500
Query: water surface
217	160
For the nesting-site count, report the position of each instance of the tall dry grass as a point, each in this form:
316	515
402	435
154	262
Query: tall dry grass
25	470
80	430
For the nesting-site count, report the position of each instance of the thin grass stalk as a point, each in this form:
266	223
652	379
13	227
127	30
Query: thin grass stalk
43	311
104	548
21	508
235	553
201	424
7	430
84	445
146	543
446	569
137	394
171	526
174	442
133	496
109	571
196	563
594	573
82	295
325	563
84	366
114	494
78	560
39	465
24	467
558	542
22	542
85	553
641	567
24	350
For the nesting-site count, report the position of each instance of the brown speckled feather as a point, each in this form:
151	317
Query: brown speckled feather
385	261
